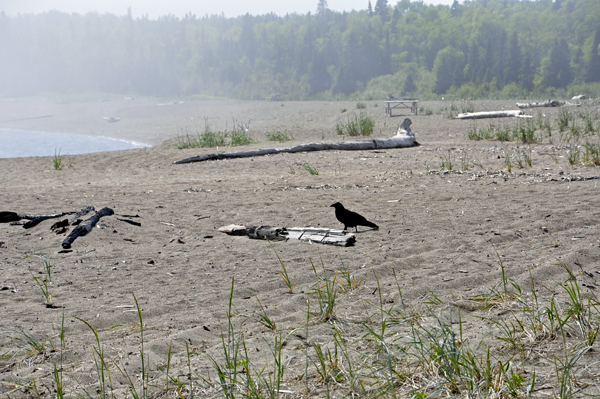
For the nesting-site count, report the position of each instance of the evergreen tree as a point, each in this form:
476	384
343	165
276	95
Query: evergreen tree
526	72
556	68
447	69
455	9
248	39
381	9
322	7
318	77
592	72
513	60
370	9
409	85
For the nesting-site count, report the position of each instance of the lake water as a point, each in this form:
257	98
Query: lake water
20	143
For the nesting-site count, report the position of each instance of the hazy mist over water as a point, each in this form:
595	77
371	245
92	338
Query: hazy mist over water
20	143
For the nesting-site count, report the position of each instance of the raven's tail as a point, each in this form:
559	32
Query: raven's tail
371	224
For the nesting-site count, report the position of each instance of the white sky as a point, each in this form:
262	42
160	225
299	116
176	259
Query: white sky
156	8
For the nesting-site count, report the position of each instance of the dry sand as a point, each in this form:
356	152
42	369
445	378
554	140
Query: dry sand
441	232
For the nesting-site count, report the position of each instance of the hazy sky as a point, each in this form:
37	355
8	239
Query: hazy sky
155	8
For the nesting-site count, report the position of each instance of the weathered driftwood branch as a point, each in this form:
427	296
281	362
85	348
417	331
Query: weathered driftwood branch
492	114
549	103
404	138
313	234
85	227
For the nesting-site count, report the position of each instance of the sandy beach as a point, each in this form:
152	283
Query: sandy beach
445	237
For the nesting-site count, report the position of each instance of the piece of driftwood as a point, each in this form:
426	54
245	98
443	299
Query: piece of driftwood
85	227
313	234
549	103
404	138
7	217
492	114
84	211
34	220
138	224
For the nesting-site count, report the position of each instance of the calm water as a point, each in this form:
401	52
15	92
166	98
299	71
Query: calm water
20	143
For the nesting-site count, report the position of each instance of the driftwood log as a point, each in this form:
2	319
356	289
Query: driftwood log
404	138
549	103
492	114
85	227
34	220
313	234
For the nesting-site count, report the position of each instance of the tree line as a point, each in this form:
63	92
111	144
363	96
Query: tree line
473	49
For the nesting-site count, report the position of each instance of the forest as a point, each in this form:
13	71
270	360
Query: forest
471	49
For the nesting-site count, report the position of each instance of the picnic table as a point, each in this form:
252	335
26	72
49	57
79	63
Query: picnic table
401	103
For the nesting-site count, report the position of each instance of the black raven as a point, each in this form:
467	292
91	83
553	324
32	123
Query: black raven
351	219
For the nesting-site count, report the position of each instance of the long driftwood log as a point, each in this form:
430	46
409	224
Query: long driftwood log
85	227
492	114
549	103
404	138
313	234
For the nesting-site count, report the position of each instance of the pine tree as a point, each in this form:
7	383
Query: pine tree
526	72
592	73
370	9
322	7
381	9
556	68
513	60
447	68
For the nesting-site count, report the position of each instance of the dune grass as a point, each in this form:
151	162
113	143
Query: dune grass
360	124
237	136
400	350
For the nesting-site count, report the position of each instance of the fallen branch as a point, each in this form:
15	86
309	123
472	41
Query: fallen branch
313	234
404	138
492	114
85	227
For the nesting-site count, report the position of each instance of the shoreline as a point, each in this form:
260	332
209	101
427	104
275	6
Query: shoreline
448	236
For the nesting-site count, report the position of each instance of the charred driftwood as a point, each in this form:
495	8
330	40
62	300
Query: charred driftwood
313	234
404	138
7	217
82	212
492	114
34	220
85	227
